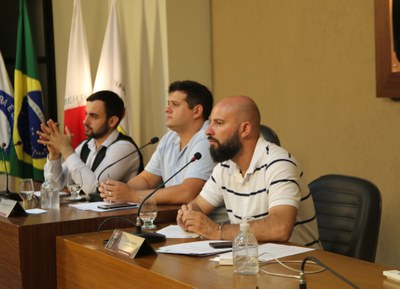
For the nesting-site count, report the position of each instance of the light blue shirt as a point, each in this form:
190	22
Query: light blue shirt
169	158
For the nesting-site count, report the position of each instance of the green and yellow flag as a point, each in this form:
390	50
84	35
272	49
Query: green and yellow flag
27	160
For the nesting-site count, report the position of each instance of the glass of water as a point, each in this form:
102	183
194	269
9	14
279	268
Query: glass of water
74	183
26	191
148	213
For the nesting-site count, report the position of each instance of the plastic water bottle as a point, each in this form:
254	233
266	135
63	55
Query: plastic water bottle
245	251
49	195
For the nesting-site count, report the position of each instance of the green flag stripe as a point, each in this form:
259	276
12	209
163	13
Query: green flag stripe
26	54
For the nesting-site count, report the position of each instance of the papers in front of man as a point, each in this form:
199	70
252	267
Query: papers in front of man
266	252
174	231
97	206
199	248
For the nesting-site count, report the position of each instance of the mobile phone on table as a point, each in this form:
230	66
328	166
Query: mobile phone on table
221	245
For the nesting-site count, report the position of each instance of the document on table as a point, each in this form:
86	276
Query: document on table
200	248
94	207
174	231
266	252
62	194
35	211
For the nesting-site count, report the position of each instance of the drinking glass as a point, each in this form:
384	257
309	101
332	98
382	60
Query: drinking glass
26	191
148	213
74	183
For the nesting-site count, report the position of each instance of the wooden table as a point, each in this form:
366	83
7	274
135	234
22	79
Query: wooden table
82	262
27	244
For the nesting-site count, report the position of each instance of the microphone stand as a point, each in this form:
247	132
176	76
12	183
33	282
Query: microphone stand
303	283
153	237
152	141
7	194
95	197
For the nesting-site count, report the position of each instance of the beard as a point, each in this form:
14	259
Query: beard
102	131
227	150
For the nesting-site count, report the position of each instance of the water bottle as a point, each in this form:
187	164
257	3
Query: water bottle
245	251
49	195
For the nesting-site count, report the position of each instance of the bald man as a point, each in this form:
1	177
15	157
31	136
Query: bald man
254	178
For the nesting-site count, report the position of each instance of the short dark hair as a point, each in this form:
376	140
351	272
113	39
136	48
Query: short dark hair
196	93
113	104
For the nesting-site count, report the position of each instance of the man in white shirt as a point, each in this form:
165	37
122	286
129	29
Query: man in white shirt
255	179
94	157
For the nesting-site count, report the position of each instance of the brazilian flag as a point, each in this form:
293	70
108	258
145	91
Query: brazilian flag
27	160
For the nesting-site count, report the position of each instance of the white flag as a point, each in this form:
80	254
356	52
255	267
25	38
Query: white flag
109	72
6	110
78	84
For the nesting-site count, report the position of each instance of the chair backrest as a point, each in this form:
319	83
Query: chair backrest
348	213
269	134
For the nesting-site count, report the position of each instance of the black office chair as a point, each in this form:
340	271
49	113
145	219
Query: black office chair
348	212
269	134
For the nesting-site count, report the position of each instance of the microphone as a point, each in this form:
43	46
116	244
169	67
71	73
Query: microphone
7	194
153	237
94	197
152	141
303	283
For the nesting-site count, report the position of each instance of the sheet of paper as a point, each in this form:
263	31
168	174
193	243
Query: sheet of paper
266	252
35	211
200	248
174	231
94	207
62	194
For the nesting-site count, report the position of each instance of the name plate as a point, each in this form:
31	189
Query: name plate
129	244
10	208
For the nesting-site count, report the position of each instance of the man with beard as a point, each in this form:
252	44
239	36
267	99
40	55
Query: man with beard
255	179
104	111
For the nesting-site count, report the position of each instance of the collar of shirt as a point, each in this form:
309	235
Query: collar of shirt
111	138
256	160
197	136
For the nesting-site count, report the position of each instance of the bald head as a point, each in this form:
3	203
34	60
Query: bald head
234	130
243	108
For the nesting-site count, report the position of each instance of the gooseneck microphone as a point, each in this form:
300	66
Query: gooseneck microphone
95	197
303	283
153	237
152	141
7	194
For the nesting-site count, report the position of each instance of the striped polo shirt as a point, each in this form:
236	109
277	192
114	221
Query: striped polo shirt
273	178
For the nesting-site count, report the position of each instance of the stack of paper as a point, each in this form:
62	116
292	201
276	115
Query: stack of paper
200	248
174	231
266	252
94	206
